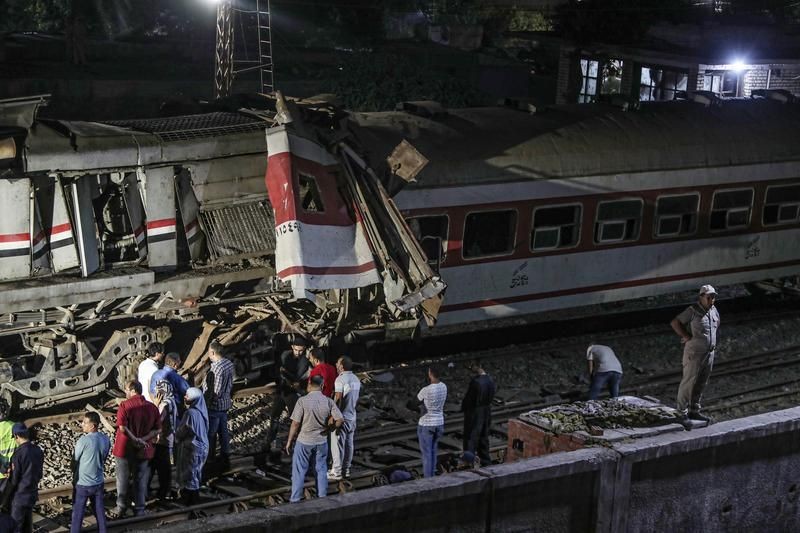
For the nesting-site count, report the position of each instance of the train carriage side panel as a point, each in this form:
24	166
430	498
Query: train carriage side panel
80	192
135	211
160	208
189	209
53	213
15	229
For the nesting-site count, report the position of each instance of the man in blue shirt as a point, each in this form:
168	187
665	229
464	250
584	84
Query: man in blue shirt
172	363
91	452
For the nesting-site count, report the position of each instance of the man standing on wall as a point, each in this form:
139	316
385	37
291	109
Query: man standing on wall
698	327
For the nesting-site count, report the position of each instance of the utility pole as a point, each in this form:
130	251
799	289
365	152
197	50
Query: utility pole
254	24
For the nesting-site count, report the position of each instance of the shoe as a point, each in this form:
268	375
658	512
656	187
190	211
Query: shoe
696	415
685	422
347	473
115	513
332	476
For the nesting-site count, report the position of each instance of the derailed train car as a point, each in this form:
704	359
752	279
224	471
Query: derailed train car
109	231
135	224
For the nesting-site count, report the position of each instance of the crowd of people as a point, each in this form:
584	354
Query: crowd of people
165	422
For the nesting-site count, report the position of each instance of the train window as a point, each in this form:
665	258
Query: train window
431	233
782	205
310	197
731	209
555	227
676	215
489	233
618	221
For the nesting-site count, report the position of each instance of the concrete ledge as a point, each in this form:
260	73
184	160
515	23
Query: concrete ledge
438	504
741	475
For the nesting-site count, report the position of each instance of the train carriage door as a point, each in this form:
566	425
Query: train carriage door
39	248
15	228
135	209
189	209
159	189
81	192
52	213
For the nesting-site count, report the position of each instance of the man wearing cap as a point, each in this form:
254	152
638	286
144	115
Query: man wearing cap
26	472
311	423
7	441
698	327
293	373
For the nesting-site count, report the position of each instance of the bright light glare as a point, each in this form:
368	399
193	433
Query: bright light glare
738	65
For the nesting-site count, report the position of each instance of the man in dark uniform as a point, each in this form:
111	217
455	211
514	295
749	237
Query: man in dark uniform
26	471
477	409
293	373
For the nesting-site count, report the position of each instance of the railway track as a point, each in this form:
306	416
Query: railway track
395	443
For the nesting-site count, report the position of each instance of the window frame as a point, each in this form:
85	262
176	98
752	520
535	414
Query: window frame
306	175
513	233
601	223
728	211
583	95
652	87
578	224
779	205
656	218
446	239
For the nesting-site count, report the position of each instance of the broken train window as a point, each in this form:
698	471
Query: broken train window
731	209
782	205
489	233
310	197
555	227
618	221
431	233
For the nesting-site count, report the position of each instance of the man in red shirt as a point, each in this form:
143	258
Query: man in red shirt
138	423
321	368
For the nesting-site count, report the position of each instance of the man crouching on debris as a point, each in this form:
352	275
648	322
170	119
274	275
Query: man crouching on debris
311	424
697	326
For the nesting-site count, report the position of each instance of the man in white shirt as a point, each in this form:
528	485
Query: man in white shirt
605	370
148	367
431	424
346	389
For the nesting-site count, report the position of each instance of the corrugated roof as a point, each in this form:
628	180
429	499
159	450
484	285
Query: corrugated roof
487	144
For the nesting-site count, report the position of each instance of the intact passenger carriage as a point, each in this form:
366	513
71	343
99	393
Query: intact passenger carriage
586	204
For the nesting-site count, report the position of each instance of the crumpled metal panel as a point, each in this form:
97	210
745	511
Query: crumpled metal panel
239	230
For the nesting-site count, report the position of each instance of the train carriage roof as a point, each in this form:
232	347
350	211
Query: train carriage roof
479	145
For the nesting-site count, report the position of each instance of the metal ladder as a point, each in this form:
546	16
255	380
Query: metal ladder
265	46
227	65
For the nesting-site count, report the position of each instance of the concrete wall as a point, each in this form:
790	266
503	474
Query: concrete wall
741	475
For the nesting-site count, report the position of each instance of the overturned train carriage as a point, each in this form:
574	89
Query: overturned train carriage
109	231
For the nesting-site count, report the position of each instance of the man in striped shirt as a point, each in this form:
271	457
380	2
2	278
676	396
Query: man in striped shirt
217	388
431	423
